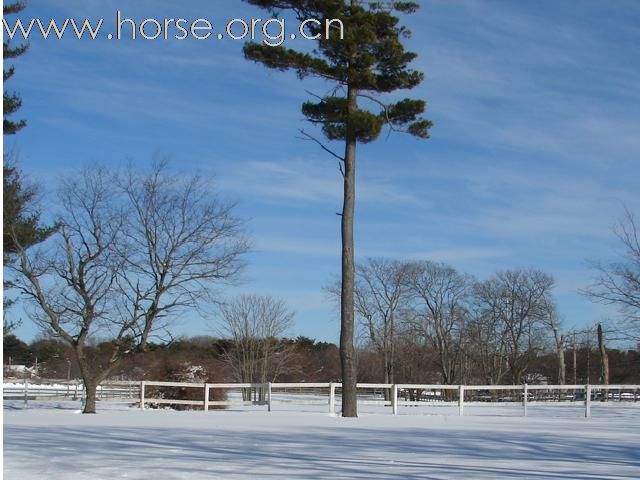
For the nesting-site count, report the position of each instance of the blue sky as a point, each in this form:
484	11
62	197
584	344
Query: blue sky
534	150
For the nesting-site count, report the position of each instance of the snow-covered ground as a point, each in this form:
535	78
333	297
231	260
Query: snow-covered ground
51	440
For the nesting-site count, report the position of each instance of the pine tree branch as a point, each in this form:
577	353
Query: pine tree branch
322	145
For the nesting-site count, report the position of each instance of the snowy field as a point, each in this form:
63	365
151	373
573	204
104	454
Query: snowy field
51	440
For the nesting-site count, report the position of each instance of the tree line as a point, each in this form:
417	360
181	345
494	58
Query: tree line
132	250
206	359
477	331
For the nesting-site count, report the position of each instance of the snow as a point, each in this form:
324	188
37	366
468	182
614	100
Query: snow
53	440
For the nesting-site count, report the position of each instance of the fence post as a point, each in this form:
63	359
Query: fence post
269	397
332	398
142	395
587	401
394	399
206	397
461	399
525	399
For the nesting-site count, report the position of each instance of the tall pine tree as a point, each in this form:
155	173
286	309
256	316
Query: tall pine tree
11	101
21	226
21	218
365	63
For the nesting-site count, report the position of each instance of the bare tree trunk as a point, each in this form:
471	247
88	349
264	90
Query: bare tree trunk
392	354
91	395
559	341
562	368
91	379
90	389
516	373
575	361
604	359
387	395
588	361
390	375
90	383
347	350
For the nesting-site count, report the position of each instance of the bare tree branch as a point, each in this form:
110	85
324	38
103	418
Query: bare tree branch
322	145
618	282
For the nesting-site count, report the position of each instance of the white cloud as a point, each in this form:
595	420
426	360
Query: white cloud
307	180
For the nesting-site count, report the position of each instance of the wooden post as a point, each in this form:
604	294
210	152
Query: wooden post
394	399
587	401
142	395
269	397
461	400
206	397
525	399
332	398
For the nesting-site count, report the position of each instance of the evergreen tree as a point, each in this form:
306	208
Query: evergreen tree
11	101
15	351
367	61
21	227
21	218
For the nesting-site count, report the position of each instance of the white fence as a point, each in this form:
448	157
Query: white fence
46	389
398	395
393	396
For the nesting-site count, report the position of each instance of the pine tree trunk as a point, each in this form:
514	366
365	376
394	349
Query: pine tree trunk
347	350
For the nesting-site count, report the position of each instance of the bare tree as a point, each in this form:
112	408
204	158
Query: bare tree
379	289
414	361
518	299
485	345
439	310
255	324
133	251
618	282
552	321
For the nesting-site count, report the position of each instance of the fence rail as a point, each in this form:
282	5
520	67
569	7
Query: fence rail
30	389
381	394
395	395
